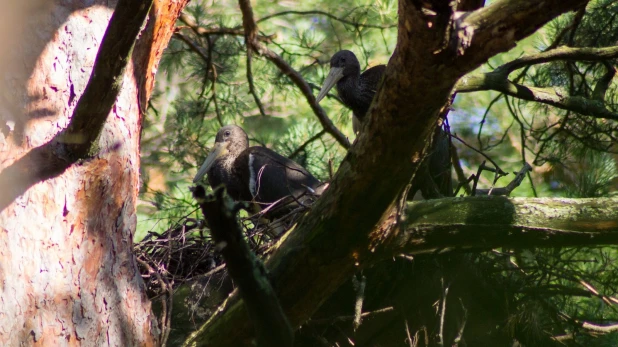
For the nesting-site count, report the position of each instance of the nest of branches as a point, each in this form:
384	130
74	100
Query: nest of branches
185	253
184	260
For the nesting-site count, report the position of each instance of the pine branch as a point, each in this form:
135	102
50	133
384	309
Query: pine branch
498	80
561	53
219	31
550	96
254	44
326	14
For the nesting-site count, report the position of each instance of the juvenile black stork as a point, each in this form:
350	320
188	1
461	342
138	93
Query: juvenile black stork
356	91
255	174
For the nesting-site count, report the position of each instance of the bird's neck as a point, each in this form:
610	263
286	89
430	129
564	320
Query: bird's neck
351	93
236	148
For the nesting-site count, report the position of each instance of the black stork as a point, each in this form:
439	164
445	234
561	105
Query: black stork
356	91
255	174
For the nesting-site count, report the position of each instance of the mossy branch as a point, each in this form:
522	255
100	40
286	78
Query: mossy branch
498	80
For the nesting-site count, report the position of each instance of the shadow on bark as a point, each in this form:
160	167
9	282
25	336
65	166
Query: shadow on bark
109	276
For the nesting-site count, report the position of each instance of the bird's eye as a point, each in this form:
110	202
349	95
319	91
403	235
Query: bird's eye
227	133
343	60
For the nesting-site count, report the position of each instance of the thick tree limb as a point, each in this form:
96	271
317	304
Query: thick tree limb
351	219
272	327
489	222
486	222
470	5
79	140
484	38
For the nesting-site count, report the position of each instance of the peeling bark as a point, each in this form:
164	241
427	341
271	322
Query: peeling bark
67	272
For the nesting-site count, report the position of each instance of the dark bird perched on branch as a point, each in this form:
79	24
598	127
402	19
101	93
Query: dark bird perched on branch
356	90
255	174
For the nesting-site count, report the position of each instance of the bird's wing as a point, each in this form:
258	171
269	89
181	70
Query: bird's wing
372	76
273	176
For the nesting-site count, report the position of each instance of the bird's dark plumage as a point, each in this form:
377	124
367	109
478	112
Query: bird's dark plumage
254	173
357	90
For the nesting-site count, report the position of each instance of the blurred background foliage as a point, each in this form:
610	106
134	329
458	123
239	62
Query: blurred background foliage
202	84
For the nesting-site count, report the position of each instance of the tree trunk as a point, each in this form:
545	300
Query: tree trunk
67	272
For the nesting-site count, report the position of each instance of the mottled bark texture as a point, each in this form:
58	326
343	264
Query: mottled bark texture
338	236
67	272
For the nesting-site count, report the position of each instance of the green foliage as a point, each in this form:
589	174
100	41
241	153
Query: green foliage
572	154
197	93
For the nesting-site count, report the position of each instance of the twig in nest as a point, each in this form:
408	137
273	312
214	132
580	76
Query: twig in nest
412	341
358	282
166	303
348	318
462	325
177	255
442	313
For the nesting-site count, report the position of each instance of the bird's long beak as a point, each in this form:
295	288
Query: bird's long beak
334	75
219	149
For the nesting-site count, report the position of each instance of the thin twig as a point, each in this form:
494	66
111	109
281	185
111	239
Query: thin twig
461	176
219	31
359	287
481	153
214	95
442	312
412	342
251	32
252	85
326	14
307	143
506	191
462	326
348	318
560	53
194	47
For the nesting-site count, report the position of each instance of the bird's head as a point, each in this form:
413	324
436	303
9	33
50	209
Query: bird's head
230	140
342	64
